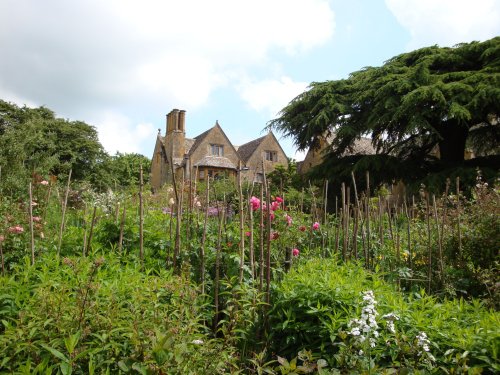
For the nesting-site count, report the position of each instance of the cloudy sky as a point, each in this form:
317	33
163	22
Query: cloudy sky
122	65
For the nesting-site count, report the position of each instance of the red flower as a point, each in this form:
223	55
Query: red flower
295	252
274	206
247	234
274	236
279	199
315	226
302	228
255	203
17	229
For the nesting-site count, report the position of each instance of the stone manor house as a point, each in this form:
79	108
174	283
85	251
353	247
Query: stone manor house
210	154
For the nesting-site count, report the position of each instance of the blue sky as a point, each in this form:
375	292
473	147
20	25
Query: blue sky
122	65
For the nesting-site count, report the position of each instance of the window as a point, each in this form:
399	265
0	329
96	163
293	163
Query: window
201	175
271	156
217	150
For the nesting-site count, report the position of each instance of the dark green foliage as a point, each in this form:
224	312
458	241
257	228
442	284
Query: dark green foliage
417	102
124	170
35	143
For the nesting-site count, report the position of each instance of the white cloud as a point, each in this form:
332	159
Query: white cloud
270	95
119	133
447	22
116	49
122	57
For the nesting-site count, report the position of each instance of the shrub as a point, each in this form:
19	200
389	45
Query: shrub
97	315
315	305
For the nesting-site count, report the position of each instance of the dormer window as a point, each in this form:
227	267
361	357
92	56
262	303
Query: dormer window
271	156
217	150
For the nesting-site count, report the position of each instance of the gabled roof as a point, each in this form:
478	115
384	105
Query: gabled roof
198	140
246	150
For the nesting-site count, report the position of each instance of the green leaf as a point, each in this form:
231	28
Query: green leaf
160	356
123	366
56	353
66	368
139	368
71	342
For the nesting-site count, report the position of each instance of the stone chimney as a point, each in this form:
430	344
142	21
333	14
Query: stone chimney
181	121
173	120
175	136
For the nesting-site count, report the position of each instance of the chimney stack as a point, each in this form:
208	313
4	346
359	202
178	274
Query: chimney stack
182	120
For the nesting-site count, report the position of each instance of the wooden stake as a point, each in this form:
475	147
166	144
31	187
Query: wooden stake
61	229
217	262
122	227
242	234
92	223
203	239
141	218
32	234
459	231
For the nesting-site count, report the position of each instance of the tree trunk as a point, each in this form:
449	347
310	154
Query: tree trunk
452	144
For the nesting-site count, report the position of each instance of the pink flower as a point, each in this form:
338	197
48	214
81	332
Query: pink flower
279	199
274	206
288	219
302	228
315	226
255	203
44	183
272	216
295	252
247	234
37	219
17	229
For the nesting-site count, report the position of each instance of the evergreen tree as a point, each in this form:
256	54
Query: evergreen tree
430	99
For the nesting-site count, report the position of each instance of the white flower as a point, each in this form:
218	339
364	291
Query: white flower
362	328
391	317
197	342
423	342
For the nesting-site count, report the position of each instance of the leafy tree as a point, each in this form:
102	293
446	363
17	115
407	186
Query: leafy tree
124	169
429	99
35	141
285	178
